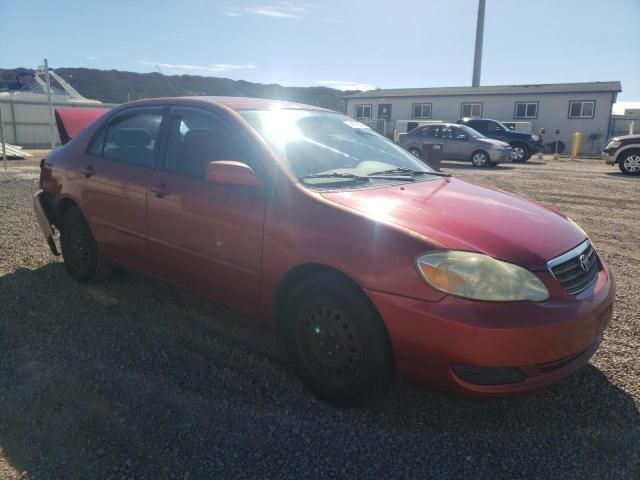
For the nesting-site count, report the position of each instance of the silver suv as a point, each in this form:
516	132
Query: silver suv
459	142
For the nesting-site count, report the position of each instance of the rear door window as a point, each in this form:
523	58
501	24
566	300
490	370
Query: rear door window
131	137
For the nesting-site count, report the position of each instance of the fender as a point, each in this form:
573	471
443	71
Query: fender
625	148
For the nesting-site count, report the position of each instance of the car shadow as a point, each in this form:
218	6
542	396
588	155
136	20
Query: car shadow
622	176
461	165
134	378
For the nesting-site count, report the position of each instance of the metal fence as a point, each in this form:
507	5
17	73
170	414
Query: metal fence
624	125
378	124
27	124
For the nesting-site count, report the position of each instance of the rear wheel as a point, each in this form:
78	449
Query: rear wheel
480	159
629	162
336	341
80	250
519	152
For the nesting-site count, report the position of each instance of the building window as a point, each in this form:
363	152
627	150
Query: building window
526	110
582	109
384	111
471	110
421	110
363	111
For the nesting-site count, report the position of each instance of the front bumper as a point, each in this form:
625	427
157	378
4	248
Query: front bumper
500	156
609	158
545	341
536	147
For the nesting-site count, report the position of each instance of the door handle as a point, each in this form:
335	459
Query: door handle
88	171
160	190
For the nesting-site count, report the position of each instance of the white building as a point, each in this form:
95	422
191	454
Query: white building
568	107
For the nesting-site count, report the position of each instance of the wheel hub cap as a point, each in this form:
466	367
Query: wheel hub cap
517	153
632	163
479	159
331	343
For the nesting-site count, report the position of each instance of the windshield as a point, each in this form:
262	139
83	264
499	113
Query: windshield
310	142
471	132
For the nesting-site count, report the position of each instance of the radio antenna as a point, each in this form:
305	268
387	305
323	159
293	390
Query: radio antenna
167	80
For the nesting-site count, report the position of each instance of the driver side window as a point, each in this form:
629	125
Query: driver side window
493	128
197	137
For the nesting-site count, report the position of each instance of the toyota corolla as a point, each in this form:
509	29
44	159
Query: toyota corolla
371	264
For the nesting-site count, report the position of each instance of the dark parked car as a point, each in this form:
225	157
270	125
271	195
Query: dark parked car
625	151
523	144
459	142
368	261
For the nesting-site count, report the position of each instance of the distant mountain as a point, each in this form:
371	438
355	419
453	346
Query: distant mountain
114	86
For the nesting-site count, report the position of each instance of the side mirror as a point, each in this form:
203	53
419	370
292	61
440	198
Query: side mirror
462	137
230	172
542	131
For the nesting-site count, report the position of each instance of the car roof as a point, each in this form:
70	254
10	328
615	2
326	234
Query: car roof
234	103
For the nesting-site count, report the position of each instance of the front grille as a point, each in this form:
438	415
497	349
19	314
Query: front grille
568	268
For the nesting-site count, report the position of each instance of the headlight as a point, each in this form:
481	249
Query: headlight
480	277
535	138
613	144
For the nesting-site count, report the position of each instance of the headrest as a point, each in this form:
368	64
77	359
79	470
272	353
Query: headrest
132	137
200	141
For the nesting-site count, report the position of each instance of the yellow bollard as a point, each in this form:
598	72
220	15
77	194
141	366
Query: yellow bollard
575	145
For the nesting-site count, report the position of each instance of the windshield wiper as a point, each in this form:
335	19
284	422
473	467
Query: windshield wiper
407	171
350	177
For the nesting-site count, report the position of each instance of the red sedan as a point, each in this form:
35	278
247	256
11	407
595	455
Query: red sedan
368	261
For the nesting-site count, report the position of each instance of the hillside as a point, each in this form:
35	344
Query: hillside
114	86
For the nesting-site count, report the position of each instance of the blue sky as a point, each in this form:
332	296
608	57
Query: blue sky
350	43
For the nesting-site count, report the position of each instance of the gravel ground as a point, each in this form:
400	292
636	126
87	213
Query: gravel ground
135	379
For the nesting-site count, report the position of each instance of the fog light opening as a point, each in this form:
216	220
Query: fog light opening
488	375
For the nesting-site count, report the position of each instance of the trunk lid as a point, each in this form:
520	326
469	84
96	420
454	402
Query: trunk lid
71	121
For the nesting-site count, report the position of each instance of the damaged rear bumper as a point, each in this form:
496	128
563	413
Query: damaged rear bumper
40	209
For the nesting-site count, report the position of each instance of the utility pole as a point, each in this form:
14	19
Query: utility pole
4	151
477	58
48	82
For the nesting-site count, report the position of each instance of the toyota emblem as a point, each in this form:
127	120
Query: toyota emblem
584	263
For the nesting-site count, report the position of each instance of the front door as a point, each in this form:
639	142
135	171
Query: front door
205	237
114	174
458	143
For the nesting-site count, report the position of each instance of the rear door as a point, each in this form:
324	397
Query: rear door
206	237
115	172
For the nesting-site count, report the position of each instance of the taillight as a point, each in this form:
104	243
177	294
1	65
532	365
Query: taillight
45	174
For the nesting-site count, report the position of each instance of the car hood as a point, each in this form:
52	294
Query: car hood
519	135
628	138
493	141
453	214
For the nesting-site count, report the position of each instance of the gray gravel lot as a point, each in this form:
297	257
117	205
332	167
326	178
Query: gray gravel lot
135	379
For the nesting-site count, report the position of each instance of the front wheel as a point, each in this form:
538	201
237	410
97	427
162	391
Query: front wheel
80	250
629	163
519	152
480	159
336	341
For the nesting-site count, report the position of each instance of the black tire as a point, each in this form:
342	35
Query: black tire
336	341
80	250
480	159
629	162
415	151
520	152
